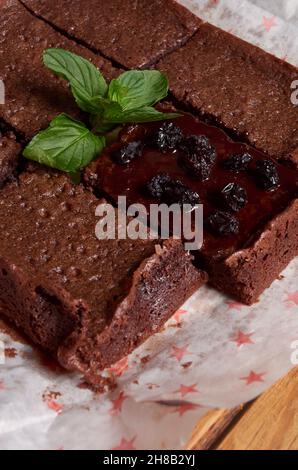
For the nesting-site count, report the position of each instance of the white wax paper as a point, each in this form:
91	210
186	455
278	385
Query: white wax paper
213	353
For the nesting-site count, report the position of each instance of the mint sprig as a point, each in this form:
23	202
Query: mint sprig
69	145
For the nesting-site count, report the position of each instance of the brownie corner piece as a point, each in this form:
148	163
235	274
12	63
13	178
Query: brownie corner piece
248	272
133	34
159	285
87	301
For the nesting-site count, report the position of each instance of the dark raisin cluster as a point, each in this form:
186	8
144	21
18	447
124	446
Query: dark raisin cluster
197	156
234	196
167	137
267	174
128	152
223	223
170	191
238	162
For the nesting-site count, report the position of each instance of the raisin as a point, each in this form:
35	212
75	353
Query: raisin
198	156
223	223
181	194
128	152
238	162
167	136
235	197
171	191
267	174
155	187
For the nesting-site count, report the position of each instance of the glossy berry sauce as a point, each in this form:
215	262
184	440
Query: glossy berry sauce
237	194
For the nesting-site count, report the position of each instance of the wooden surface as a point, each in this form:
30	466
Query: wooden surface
268	423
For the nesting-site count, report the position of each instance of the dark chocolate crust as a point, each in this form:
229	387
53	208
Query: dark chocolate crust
134	34
239	86
70	292
33	95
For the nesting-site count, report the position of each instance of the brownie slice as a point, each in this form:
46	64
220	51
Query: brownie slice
33	96
249	200
239	86
9	151
87	301
134	34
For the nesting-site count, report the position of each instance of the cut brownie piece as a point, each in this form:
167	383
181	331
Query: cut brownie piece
134	34
250	211
239	86
33	96
87	301
9	151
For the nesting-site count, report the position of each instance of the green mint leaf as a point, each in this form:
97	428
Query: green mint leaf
138	88
116	115
66	145
87	84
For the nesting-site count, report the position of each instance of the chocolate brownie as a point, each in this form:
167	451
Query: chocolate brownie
239	86
33	94
85	300
9	151
134	34
249	200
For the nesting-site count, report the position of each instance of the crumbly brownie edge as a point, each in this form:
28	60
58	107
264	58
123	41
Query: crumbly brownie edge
45	315
9	157
159	287
247	273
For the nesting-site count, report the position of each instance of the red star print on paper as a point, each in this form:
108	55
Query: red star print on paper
120	367
185	389
232	305
268	23
117	403
125	444
2	386
178	314
179	353
242	338
253	377
53	405
292	298
185	407
213	3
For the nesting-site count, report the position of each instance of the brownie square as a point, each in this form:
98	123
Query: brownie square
87	301
249	199
239	86
33	95
133	34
